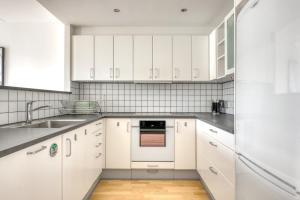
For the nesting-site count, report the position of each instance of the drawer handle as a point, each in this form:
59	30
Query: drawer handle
212	130
212	170
36	151
213	144
99	123
98	145
152	165
98	155
98	134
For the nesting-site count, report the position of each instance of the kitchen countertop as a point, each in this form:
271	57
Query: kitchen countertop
15	139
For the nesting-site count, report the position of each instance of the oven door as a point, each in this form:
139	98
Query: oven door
152	147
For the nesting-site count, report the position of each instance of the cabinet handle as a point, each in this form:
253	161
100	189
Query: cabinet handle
75	137
111	73
99	123
70	147
117	72
92	73
36	151
98	134
152	165
213	144
128	124
212	130
177	127
151	73
98	145
213	170
156	73
98	155
195	73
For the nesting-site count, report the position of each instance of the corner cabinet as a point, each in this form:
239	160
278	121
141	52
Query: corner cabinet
118	136
222	48
32	173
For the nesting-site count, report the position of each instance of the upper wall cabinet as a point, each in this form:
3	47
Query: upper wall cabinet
104	58
123	58
222	48
162	58
83	58
200	57
143	58
148	58
182	54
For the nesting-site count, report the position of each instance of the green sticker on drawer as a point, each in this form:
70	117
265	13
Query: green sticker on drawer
53	149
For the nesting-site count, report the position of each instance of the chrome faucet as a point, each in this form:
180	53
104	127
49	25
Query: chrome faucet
29	111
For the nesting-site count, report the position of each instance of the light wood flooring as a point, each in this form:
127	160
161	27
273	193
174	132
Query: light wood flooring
149	190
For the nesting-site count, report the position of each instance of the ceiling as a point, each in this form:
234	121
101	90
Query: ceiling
16	11
139	12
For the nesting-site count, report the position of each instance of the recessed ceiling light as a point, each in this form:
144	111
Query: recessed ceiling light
116	10
183	9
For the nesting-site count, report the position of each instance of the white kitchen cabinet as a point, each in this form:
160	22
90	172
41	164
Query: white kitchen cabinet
215	161
212	55
200	58
118	134
162	58
143	70
74	171
83	57
104	58
230	42
31	173
185	144
123	58
182	54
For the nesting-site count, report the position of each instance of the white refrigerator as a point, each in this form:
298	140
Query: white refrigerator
268	100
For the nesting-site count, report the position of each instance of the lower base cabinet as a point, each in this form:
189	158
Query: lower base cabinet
32	173
82	160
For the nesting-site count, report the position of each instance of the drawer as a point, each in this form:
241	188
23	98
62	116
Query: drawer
222	136
221	156
218	185
96	126
152	165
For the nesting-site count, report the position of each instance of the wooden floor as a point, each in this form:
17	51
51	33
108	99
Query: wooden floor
149	190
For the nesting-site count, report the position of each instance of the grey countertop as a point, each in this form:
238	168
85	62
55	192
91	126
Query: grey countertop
15	139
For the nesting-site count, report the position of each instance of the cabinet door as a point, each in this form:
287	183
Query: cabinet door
74	181
212	55
182	58
104	58
230	43
162	58
185	144
83	57
123	58
32	174
143	58
118	143
200	67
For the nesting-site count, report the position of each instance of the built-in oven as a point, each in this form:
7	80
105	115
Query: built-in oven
152	140
152	133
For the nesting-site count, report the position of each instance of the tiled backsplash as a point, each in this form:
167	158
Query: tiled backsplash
228	96
13	101
152	97
119	97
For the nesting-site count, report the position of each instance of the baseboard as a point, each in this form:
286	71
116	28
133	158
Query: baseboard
91	190
168	174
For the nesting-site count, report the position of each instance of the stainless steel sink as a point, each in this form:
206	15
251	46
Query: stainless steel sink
53	124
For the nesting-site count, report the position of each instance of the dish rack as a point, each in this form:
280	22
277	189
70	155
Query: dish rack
80	107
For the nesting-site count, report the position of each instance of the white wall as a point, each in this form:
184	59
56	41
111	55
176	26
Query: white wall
36	56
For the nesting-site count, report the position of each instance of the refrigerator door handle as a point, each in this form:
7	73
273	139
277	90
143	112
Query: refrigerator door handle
268	176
